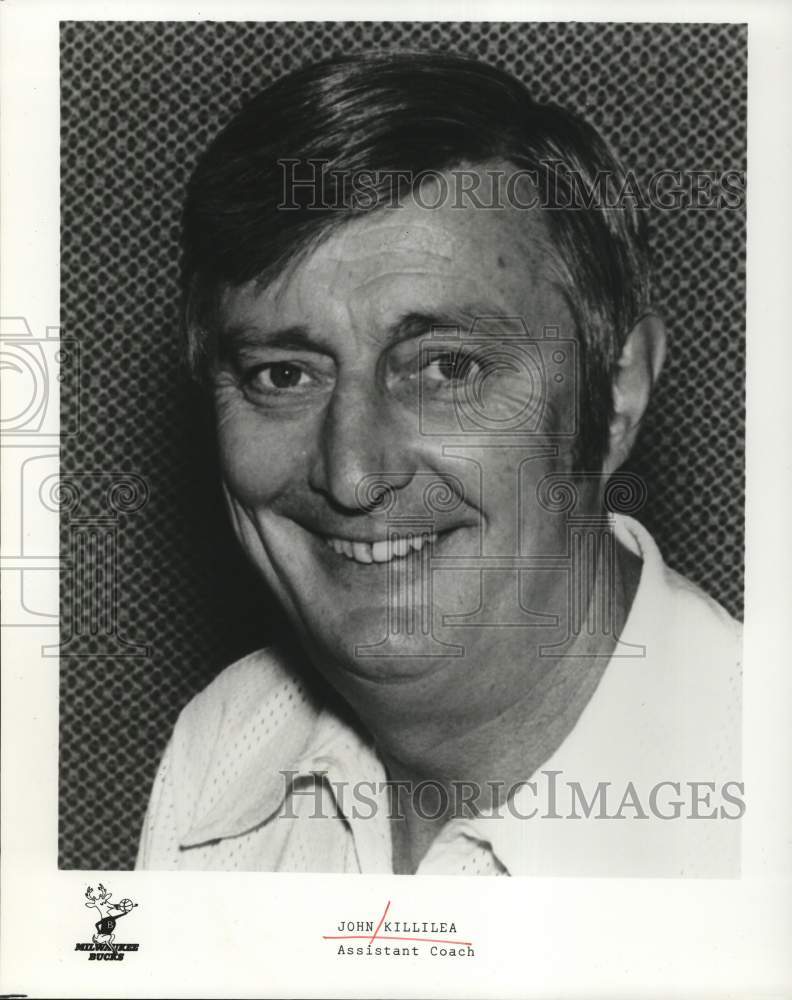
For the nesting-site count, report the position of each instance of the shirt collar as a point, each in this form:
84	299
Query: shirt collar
314	741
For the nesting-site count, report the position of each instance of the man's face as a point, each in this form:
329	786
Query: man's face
332	382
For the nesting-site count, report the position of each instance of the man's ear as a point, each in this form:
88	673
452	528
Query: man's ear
638	369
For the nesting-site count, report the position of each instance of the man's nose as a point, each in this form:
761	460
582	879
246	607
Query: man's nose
359	442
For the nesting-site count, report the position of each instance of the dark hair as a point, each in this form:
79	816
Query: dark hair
409	114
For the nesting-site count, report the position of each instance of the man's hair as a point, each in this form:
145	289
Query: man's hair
386	116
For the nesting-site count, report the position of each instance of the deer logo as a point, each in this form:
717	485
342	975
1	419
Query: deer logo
109	913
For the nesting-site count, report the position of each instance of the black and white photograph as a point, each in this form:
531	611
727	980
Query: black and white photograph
388	443
397	306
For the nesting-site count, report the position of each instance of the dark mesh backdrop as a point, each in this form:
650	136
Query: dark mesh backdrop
139	101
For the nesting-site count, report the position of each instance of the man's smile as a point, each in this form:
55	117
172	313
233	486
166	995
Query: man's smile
396	546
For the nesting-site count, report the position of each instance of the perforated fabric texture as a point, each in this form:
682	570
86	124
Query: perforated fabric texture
139	101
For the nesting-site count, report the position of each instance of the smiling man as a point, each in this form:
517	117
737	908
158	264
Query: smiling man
421	303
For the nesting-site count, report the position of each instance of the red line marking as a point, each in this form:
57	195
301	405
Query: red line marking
382	920
389	937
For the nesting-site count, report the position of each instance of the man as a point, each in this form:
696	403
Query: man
425	321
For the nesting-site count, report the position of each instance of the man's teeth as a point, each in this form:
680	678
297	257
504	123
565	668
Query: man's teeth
379	552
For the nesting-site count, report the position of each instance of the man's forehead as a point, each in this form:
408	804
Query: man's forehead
494	252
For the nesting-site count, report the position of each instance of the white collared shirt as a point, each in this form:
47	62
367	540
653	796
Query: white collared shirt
258	776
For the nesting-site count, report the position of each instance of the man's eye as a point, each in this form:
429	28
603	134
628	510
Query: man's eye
279	375
451	366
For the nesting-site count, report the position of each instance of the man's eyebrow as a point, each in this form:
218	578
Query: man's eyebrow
414	323
238	337
417	322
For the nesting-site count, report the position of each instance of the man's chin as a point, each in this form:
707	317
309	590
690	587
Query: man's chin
366	645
